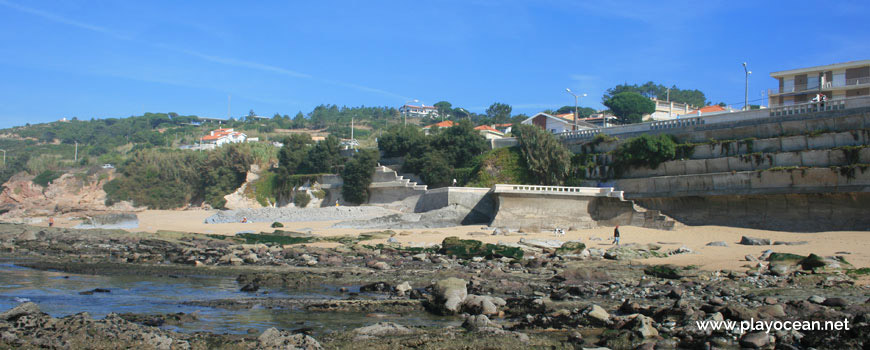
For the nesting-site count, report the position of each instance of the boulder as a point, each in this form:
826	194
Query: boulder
835	302
597	314
477	322
754	241
403	288
251	258
643	325
380	265
815	299
27	308
273	339
755	340
449	294
717	244
571	248
383	328
480	304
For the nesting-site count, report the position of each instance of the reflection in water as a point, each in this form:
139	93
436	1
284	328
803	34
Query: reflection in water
57	294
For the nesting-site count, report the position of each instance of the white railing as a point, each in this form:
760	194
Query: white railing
858	81
830	105
774	111
576	191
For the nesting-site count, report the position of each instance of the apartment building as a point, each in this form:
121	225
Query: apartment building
835	81
667	110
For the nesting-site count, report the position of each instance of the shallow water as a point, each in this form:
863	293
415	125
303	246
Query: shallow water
57	294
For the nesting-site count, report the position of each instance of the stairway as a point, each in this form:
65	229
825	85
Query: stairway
387	177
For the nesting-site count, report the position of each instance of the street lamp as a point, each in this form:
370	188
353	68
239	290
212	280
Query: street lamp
746	91
576	99
405	113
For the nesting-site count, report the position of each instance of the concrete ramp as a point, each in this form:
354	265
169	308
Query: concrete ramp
534	208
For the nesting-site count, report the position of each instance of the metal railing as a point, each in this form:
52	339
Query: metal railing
675	123
830	105
579	191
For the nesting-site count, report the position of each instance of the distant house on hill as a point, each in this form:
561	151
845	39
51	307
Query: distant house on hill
489	132
708	110
556	123
444	124
219	137
420	111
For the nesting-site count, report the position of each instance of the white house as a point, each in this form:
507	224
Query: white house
556	124
489	132
420	111
220	137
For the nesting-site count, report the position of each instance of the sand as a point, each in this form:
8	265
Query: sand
853	243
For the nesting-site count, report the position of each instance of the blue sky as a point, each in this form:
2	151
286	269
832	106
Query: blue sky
120	58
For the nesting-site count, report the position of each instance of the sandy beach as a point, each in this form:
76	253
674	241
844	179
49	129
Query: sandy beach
853	245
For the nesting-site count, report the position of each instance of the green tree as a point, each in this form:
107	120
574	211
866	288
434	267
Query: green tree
444	108
499	112
299	121
324	157
436	171
546	157
460	144
357	176
650	89
400	140
630	107
294	151
584	112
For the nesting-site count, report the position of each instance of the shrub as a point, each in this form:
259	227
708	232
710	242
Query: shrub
45	177
301	199
546	157
645	150
357	176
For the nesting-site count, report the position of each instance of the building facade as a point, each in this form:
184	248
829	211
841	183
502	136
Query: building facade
667	110
556	124
834	81
219	137
421	111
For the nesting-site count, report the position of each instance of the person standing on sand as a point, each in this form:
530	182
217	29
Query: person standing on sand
50	222
616	235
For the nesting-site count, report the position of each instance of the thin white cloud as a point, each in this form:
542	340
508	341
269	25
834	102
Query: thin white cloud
64	20
203	56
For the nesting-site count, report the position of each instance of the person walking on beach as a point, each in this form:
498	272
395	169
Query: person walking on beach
50	222
616	235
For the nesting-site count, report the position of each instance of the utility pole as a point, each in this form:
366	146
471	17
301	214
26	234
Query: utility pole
576	109
746	91
670	105
351	129
77	152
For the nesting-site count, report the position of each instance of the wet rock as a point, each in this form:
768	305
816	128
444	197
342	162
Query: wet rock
815	299
476	322
377	287
273	339
27	308
755	340
813	262
571	248
378	265
449	294
95	290
790	243
251	258
383	329
780	270
597	315
771	311
250	287
745	240
643	325
479	304
717	244
403	288
835	302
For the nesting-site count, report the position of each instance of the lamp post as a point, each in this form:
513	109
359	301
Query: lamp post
405	113
576	103
746	91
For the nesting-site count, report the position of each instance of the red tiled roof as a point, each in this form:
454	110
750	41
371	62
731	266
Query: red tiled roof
713	108
444	124
503	125
487	128
423	107
211	137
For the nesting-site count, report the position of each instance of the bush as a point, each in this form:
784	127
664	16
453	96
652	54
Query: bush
357	176
45	177
503	165
301	199
645	150
546	157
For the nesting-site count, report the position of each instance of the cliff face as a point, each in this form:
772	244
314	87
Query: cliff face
70	193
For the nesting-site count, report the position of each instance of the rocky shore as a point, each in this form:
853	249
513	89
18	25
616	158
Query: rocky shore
538	294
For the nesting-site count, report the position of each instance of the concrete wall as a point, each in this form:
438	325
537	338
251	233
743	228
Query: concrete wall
808	180
800	212
751	162
532	212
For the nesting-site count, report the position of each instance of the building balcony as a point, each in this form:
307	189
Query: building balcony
849	83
